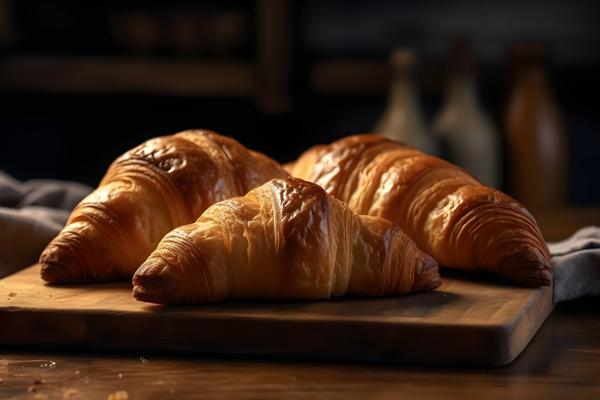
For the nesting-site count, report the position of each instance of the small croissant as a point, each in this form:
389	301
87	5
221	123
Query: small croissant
287	239
462	223
161	184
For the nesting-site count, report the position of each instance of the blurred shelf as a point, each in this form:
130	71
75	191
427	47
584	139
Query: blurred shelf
265	78
349	76
128	75
369	76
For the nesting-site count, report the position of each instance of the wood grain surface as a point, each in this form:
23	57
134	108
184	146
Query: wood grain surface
562	362
465	321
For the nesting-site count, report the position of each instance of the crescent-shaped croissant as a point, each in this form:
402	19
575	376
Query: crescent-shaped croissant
287	239
161	184
448	213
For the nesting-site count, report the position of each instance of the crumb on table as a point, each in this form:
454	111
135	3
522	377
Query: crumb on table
119	395
69	393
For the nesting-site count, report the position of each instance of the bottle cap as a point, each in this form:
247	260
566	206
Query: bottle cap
528	53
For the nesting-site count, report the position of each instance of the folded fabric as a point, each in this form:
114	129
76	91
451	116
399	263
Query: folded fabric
31	214
576	265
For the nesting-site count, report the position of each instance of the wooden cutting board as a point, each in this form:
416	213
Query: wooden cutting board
465	322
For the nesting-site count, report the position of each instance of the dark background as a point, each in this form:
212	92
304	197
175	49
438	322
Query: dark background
277	75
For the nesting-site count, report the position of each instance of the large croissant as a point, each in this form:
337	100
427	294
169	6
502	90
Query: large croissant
287	239
448	213
161	184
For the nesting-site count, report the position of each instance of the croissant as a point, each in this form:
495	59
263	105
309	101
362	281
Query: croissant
161	184
287	239
448	213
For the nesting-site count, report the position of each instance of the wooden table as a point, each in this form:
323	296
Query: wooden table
562	361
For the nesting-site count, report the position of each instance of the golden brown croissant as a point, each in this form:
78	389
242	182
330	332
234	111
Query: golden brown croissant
287	239
448	213
161	184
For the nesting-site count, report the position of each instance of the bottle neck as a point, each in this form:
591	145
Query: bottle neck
403	91
532	76
462	91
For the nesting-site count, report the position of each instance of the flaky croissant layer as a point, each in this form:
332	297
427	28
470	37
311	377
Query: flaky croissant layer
287	239
161	184
450	215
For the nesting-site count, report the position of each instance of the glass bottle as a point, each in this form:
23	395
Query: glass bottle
402	119
467	133
536	136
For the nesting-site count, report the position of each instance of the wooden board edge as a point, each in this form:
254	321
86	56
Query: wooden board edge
377	342
407	342
518	333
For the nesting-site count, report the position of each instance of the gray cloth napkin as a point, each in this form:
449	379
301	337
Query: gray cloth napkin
31	214
576	265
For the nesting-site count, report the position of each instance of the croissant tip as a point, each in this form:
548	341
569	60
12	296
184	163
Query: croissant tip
537	278
52	272
433	283
429	277
528	268
149	288
143	293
